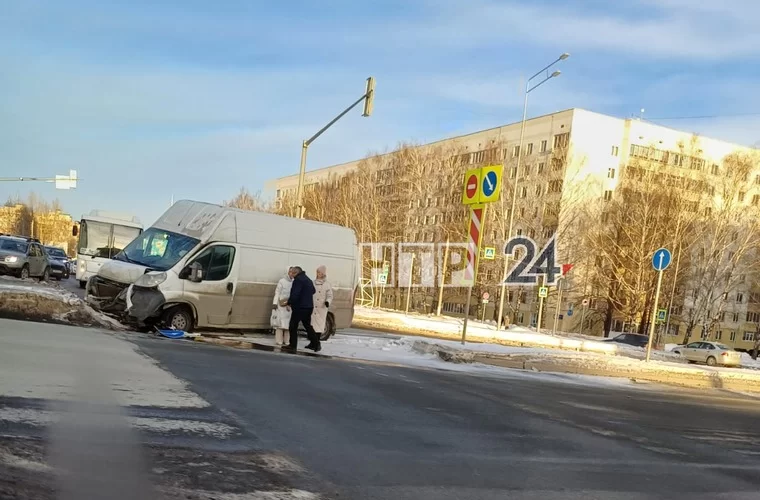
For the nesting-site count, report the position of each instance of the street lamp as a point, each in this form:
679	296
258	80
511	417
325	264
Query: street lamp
368	98
528	90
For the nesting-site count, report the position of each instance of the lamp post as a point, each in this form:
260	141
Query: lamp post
528	90
368	98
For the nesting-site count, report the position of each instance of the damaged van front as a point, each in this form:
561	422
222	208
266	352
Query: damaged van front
138	283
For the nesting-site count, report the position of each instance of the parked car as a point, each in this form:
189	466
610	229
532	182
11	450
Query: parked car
633	339
23	257
59	263
711	353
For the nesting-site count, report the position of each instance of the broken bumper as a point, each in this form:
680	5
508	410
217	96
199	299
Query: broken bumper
126	301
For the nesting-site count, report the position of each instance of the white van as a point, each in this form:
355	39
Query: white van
207	266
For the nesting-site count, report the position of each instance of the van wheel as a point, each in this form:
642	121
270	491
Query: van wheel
329	327
179	318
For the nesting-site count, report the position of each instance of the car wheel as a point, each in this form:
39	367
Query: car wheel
329	328
179	318
711	361
24	274
45	275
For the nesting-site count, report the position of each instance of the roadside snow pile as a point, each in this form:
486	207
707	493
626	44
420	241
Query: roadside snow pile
448	327
35	301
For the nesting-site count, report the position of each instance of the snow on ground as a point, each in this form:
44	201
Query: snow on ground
48	301
514	335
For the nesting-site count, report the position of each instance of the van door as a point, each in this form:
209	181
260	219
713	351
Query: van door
212	296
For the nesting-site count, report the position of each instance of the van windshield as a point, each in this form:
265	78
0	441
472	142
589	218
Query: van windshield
157	249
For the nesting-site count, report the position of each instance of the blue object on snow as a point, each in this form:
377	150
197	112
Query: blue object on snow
172	334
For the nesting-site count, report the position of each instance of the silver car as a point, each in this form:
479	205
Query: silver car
711	353
23	258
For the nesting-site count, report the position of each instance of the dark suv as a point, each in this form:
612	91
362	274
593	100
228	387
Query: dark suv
59	263
23	258
633	339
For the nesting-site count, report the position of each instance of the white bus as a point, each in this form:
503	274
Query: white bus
101	236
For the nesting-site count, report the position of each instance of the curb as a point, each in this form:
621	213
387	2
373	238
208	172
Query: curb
689	377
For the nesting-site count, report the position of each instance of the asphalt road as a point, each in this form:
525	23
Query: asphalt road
384	432
197	421
72	285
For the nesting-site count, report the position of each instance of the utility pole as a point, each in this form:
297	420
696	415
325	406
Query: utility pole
368	98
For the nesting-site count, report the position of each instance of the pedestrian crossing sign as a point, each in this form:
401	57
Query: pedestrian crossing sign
662	314
489	253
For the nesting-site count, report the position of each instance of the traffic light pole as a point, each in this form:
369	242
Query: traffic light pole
368	99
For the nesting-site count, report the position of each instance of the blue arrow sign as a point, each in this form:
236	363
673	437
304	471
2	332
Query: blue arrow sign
661	259
489	183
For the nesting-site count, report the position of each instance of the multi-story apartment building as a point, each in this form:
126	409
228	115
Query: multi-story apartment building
570	158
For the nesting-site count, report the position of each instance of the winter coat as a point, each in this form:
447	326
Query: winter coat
302	292
281	315
323	296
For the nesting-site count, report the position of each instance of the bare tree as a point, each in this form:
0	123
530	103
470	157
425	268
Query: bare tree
247	201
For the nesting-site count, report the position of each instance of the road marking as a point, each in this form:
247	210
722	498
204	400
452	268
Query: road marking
42	418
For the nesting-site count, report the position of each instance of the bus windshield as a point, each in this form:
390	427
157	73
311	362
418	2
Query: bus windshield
158	249
102	239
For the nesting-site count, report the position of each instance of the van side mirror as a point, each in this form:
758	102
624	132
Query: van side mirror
74	231
195	272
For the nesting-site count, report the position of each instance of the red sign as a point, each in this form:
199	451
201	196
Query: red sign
486	295
472	186
566	268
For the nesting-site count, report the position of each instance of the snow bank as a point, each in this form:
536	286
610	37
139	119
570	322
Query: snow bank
40	301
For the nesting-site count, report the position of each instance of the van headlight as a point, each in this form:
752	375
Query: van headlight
11	259
151	279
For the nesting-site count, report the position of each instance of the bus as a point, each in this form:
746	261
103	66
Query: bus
101	236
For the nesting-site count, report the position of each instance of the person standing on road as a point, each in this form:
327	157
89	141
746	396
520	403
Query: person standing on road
280	310
301	302
323	297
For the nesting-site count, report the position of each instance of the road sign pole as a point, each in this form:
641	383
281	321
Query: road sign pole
474	255
409	290
540	310
559	304
660	261
583	318
654	315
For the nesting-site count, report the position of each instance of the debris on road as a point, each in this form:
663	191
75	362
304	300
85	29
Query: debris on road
46	302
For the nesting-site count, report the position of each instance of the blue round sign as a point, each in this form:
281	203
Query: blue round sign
661	259
489	183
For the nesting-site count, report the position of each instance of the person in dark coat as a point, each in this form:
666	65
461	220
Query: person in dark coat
301	304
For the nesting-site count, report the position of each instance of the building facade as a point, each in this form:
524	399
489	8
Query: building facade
570	159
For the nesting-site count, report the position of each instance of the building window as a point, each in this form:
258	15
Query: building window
541	168
543	147
529	151
732	337
513	172
615	151
739	298
607	195
736	318
555	187
715	169
748	336
753	317
538	190
522	212
535	212
515	151
561	140
718	335
519	232
605	217
741	196
722	316
707	211
610	173
526	170
524	192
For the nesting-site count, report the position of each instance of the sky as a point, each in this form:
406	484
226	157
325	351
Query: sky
196	99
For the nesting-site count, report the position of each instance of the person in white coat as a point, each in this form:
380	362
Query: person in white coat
280	310
323	297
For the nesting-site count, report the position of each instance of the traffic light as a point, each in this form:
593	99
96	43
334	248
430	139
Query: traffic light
369	96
